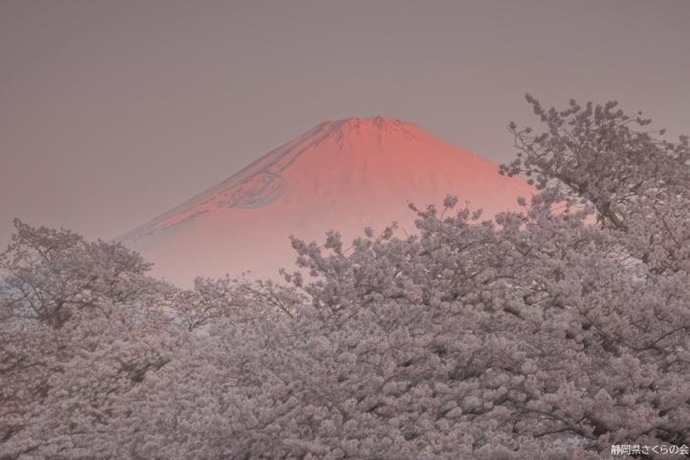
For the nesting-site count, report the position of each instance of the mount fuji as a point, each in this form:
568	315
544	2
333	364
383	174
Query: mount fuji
343	175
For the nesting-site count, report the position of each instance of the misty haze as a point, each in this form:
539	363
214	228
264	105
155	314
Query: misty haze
194	264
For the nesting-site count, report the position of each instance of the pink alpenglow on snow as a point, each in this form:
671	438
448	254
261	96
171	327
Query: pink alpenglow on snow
341	175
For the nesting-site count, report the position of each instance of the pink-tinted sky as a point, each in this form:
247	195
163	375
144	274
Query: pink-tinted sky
112	112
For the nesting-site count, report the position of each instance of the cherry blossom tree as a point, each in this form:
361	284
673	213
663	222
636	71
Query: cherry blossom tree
80	325
553	332
637	183
537	335
524	339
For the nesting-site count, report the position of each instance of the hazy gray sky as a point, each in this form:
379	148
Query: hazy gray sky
112	112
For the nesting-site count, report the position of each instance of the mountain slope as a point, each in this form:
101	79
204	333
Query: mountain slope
342	175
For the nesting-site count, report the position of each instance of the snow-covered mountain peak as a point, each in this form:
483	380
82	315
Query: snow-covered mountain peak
344	174
365	125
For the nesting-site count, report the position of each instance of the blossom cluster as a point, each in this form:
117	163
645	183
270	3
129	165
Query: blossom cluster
555	332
